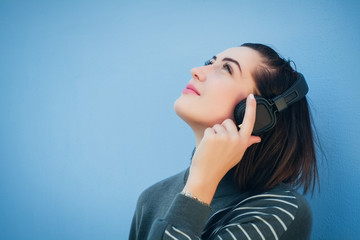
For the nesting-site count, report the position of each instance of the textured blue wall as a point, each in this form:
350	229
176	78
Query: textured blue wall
86	103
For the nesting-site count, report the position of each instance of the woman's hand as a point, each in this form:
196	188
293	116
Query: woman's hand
221	148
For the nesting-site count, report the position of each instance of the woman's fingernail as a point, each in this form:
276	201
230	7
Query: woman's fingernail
251	96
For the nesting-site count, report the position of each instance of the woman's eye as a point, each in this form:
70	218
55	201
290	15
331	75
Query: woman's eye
227	68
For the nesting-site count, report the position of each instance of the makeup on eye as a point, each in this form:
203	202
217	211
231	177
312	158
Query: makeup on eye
228	68
210	61
234	61
226	65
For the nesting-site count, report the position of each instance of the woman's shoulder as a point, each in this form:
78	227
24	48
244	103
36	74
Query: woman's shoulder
164	188
293	198
301	225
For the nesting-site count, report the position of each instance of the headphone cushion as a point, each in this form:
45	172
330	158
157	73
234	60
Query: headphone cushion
265	115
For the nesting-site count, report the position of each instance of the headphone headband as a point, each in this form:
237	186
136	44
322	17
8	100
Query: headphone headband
296	92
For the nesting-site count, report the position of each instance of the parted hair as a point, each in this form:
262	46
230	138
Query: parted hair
286	153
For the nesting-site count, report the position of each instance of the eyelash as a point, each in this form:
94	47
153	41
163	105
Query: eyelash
208	62
226	66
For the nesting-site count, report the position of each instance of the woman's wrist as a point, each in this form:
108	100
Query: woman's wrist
200	189
188	194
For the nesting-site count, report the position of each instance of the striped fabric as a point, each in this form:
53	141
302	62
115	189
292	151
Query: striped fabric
263	216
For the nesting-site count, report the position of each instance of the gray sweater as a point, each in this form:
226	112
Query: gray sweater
163	213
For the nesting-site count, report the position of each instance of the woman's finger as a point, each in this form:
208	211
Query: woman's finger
209	131
249	117
253	140
230	126
219	129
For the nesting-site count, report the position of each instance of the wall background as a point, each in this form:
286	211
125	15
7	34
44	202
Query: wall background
86	104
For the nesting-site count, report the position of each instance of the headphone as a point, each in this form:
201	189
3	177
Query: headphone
266	108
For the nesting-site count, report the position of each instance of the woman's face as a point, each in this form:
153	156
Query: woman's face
214	90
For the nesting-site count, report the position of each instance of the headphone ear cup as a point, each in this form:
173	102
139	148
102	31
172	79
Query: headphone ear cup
265	115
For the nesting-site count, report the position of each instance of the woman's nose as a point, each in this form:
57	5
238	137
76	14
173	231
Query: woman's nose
198	73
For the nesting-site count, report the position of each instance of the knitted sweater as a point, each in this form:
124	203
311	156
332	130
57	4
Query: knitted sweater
163	213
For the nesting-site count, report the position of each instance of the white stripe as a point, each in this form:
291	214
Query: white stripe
281	222
271	228
288	213
261	213
230	225
167	233
257	229
278	200
220	237
177	230
275	195
247	235
267	195
259	208
232	235
216	229
245	208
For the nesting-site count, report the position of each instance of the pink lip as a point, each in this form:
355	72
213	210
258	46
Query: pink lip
191	89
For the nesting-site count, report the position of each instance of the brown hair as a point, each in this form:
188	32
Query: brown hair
286	153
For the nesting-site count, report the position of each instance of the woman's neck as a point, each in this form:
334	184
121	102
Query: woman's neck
199	134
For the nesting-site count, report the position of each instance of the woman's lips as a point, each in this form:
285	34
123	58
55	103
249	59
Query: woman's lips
191	89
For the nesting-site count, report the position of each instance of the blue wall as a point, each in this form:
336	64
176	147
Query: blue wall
86	103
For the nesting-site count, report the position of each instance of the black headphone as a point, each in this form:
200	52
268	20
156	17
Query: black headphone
266	108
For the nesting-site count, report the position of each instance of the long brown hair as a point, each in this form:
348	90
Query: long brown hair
286	153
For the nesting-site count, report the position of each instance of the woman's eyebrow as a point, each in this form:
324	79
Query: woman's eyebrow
234	61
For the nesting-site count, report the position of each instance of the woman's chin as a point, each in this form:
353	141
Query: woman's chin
181	111
199	117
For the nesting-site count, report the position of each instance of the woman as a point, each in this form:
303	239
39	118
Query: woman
239	186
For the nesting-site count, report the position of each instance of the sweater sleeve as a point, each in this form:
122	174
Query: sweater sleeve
185	219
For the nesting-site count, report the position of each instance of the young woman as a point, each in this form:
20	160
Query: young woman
239	185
